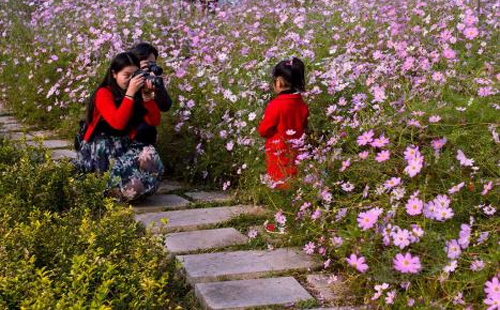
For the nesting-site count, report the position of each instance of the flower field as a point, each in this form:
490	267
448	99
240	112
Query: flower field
400	168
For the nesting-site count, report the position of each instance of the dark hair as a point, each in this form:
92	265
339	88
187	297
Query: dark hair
293	72
119	62
143	50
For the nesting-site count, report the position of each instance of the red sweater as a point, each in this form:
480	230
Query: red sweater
287	112
118	118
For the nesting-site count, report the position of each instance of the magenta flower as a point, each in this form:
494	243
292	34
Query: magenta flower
367	220
380	142
365	138
414	167
357	262
406	263
364	155
448	53
401	238
392	182
309	248
383	156
453	249
492	288
471	32
414	206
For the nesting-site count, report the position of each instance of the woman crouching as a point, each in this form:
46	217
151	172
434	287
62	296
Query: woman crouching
119	105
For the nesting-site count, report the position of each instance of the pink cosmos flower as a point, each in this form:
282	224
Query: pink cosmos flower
477	265
437	77
487	187
414	167
464	161
438	144
383	156
453	249
365	138
392	182
401	238
456	188
406	263
367	220
309	248
414	206
492	287
448	53
411	152
357	262
363	155
380	142
434	119
471	32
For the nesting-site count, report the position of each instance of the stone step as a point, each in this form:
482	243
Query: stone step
51	144
6	119
202	196
62	153
195	219
160	202
243	264
244	294
185	242
11	127
168	186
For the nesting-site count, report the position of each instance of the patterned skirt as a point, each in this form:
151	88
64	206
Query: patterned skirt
135	169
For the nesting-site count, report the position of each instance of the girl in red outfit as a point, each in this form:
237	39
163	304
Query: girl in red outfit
285	119
120	103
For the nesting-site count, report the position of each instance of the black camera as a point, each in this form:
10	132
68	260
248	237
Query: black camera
155	79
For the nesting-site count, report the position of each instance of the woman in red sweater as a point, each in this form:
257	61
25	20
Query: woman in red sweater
119	104
285	119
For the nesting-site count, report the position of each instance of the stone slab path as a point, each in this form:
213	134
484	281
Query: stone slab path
194	219
253	293
243	264
222	278
185	242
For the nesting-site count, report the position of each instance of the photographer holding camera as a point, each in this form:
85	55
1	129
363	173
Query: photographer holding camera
153	86
120	105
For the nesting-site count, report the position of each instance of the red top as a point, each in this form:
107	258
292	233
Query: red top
285	118
118	118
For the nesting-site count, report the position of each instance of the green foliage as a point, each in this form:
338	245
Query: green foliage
64	246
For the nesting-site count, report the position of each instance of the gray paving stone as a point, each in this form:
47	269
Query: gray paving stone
195	219
168	186
6	119
160	202
244	294
42	134
184	242
62	153
17	135
52	144
243	264
12	127
209	196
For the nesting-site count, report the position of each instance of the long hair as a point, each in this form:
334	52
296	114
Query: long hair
293	73
119	62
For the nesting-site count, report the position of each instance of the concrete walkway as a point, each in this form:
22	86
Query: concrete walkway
221	278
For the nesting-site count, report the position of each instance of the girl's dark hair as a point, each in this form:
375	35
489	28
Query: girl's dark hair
119	62
292	72
143	50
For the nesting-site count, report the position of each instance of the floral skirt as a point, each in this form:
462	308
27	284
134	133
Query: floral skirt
135	168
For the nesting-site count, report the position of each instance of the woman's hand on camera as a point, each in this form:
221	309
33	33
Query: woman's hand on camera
135	84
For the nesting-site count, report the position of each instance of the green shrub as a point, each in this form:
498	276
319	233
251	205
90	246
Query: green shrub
64	246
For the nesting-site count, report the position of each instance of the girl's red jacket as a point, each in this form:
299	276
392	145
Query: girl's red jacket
285	118
118	118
